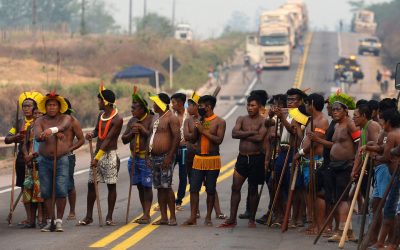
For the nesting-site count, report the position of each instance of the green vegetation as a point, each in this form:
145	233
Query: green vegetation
387	17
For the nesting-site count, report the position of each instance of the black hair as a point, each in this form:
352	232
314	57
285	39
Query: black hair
69	111
190	101
392	116
387	103
256	98
361	102
279	98
298	92
317	101
302	109
164	98
208	100
262	94
365	110
108	95
179	97
373	105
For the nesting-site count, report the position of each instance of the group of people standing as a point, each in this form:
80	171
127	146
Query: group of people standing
306	159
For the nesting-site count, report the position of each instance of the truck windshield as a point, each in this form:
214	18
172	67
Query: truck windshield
273	40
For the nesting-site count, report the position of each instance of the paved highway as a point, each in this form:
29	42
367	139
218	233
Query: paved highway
312	70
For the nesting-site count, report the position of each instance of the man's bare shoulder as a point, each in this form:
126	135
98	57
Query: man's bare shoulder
118	119
221	121
375	125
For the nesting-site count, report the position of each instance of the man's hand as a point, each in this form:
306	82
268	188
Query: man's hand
199	126
137	128
28	159
89	136
355	174
94	163
313	137
296	157
167	162
60	136
18	138
266	165
278	112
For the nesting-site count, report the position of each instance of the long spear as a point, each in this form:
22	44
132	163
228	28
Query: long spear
96	186
131	177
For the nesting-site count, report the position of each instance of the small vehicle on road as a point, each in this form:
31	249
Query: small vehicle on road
347	66
371	45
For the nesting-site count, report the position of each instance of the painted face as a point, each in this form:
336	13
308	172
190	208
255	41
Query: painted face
27	107
293	101
52	107
338	112
253	108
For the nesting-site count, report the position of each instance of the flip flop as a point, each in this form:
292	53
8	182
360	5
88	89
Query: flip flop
84	222
189	223
227	225
208	223
71	217
110	223
142	221
221	217
172	223
276	225
160	223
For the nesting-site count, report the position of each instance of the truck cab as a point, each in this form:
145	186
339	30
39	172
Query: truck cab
271	48
183	32
364	22
284	19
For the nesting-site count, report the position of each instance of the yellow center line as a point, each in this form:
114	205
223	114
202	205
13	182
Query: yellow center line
141	234
130	226
303	61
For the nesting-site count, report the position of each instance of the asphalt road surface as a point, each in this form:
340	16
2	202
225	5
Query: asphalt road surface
313	70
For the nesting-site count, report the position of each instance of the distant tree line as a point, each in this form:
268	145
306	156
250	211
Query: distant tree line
17	13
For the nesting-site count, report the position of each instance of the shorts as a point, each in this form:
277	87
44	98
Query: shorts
251	167
381	180
162	178
389	211
280	161
142	174
181	155
72	161
209	177
189	163
338	177
305	170
20	170
107	168
46	176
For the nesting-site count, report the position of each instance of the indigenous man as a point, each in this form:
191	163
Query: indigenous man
314	106
178	105
50	131
75	131
31	190
139	127
251	131
374	107
342	157
294	99
27	102
391	125
106	160
189	128
164	142
209	134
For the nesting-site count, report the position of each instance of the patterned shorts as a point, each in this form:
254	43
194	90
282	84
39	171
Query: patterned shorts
107	168
162	178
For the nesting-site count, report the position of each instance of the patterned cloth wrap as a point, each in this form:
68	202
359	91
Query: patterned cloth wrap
31	192
107	168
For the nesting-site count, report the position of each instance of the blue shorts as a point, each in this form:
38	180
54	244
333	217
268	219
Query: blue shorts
142	174
280	161
46	176
72	161
381	180
305	170
389	212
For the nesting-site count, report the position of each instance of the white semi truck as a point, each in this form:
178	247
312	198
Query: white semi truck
283	18
271	47
364	22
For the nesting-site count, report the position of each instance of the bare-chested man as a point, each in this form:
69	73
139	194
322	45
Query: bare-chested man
391	125
208	135
178	105
164	141
251	131
343	150
27	103
139	125
50	131
106	160
75	131
314	104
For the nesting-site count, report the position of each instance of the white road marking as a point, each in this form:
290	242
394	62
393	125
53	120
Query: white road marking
76	173
234	108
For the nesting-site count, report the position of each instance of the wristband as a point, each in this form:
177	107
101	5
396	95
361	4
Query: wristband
301	152
99	155
54	130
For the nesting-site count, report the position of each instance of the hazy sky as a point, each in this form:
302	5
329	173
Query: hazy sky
209	17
